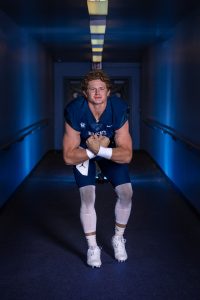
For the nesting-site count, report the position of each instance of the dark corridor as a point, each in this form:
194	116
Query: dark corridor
151	51
43	250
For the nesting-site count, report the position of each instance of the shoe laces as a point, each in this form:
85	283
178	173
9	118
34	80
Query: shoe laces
94	250
119	243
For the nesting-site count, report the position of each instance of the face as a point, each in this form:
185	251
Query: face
97	92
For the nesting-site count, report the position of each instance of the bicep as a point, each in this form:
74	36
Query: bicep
123	138
71	138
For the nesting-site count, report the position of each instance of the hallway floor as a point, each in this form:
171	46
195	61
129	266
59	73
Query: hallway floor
43	249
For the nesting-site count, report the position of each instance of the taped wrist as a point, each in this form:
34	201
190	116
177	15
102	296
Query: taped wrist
90	154
105	152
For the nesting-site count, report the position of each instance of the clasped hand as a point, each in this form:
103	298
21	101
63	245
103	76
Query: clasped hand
95	141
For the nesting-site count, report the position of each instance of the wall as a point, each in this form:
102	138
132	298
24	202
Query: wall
170	95
72	70
26	98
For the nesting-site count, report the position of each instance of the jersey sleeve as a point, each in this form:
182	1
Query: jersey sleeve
71	116
120	109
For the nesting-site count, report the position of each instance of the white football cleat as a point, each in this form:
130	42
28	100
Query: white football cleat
118	243
93	257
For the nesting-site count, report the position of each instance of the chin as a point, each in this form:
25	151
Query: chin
98	102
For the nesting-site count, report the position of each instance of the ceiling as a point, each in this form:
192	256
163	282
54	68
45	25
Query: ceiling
132	25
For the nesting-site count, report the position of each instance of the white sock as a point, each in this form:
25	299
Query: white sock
91	240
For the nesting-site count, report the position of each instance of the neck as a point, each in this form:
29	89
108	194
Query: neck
97	109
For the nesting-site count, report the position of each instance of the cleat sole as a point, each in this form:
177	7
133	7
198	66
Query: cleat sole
121	260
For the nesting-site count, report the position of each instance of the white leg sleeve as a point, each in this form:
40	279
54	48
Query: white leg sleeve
87	211
124	203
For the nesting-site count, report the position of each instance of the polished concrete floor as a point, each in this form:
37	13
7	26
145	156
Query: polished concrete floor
43	249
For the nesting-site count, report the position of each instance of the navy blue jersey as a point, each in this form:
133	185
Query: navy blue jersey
79	116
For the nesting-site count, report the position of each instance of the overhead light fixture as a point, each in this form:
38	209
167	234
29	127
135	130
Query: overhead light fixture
97	7
101	29
97	42
97	58
97	39
98	10
98	25
97	49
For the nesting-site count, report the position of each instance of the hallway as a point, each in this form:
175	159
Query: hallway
43	250
150	50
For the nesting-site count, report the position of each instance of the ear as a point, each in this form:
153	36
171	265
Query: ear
108	93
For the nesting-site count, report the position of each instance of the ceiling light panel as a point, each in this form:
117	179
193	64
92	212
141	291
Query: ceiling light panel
97	42
97	25
97	49
101	29
97	7
97	58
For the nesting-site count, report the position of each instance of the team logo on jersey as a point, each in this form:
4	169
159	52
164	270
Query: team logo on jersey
82	125
102	132
109	126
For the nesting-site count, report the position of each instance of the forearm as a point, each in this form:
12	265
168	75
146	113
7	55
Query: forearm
75	156
121	155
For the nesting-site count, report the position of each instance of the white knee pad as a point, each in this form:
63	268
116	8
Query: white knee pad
124	203
87	210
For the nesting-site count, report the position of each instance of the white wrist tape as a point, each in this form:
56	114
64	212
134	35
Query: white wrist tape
90	154
105	152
